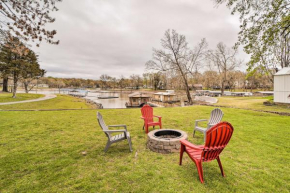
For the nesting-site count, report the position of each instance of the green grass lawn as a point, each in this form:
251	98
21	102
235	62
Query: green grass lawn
60	102
40	151
252	103
7	97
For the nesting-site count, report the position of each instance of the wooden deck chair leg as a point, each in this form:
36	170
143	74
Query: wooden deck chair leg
160	125
143	126
221	167
107	146
130	143
200	171
193	133
146	128
182	149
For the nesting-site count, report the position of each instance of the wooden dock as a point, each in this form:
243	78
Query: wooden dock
154	104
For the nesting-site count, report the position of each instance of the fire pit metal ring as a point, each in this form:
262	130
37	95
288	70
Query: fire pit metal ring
165	140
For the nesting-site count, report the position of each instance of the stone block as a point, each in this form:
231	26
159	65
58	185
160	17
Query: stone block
174	142
159	147
168	147
153	142
163	142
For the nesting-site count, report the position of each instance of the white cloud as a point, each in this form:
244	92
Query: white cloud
116	37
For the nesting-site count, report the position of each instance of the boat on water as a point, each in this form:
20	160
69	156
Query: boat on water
77	92
107	97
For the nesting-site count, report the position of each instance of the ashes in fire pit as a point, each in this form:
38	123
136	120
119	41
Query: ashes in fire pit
165	140
167	134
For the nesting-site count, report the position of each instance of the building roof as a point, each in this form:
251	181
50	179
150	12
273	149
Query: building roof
138	95
284	71
164	93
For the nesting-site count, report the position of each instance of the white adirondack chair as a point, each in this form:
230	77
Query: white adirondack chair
124	134
215	117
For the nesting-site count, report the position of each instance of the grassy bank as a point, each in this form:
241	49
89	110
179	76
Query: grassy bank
60	102
255	103
41	152
7	97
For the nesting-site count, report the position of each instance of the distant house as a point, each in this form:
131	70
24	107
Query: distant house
167	96
282	86
197	87
137	99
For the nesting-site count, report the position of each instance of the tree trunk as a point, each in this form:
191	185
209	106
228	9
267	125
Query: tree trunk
188	94
185	82
251	86
26	87
223	83
187	89
15	81
5	84
223	88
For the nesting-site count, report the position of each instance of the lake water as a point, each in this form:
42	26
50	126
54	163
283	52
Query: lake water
113	103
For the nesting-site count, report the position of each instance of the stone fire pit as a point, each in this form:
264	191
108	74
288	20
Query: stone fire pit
165	140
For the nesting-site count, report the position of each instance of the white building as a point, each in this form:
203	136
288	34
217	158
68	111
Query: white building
282	86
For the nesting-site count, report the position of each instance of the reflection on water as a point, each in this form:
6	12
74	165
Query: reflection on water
107	103
112	103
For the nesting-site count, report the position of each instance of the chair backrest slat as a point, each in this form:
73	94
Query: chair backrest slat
103	124
215	117
217	139
147	112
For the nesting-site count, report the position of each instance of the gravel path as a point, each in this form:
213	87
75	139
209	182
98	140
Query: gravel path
46	97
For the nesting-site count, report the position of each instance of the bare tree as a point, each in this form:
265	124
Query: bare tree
224	59
60	84
176	56
210	79
104	78
156	80
198	54
136	81
122	82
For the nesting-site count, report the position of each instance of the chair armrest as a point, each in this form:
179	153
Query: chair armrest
200	120
159	117
190	145
125	126
142	117
115	131
211	125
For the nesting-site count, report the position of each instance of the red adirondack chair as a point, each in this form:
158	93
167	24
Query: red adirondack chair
147	116
217	139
